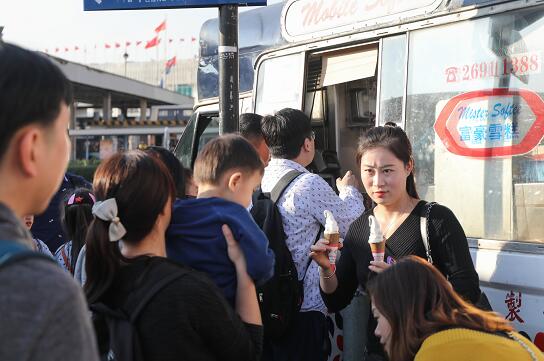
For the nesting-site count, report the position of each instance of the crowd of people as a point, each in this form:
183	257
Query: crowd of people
174	264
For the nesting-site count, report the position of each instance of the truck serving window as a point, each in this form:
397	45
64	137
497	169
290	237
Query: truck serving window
474	115
354	68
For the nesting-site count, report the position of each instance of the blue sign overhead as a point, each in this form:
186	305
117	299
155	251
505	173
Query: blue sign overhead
94	5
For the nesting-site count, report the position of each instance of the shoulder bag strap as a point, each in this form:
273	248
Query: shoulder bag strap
65	259
424	226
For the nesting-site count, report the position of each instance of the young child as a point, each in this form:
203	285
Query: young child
38	244
76	216
227	171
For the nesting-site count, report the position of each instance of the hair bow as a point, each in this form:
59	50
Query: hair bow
107	211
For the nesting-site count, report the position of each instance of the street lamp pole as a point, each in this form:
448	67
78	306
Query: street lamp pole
228	68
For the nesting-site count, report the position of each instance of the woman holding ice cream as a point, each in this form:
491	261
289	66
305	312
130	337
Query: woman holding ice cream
392	229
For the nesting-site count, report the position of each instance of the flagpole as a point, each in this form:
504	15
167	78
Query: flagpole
157	61
165	50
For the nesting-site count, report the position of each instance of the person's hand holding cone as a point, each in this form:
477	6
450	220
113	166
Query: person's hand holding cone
376	240
331	234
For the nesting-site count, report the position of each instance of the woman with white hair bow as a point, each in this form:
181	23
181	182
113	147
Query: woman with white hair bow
177	313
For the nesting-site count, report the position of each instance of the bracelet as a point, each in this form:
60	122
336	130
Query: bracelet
329	276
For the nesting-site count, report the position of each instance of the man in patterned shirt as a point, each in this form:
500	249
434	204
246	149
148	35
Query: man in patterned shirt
291	140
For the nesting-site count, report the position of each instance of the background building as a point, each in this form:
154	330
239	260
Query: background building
181	78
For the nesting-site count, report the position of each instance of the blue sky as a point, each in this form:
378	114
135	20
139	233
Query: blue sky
42	24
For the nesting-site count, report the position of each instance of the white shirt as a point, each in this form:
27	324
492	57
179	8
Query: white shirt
301	207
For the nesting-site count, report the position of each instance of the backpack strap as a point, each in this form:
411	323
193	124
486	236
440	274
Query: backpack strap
278	191
282	184
12	252
160	276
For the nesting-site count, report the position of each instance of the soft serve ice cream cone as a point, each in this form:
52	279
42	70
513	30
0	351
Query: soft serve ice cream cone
331	234
376	241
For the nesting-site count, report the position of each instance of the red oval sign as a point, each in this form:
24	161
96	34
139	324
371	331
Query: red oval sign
492	123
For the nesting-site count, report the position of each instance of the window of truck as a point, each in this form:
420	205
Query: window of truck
392	80
279	84
200	130
474	114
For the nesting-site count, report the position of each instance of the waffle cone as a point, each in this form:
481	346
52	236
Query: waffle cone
333	239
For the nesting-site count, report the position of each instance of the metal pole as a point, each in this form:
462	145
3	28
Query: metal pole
228	69
125	56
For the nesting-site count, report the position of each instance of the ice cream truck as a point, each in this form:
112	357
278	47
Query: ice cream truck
464	78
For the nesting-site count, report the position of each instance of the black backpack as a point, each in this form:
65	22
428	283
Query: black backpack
280	297
115	329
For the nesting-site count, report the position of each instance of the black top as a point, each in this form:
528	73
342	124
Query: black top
189	319
448	244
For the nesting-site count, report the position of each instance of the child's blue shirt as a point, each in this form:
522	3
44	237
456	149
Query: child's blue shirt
195	239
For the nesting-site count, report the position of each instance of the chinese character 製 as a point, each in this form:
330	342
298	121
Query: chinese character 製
513	303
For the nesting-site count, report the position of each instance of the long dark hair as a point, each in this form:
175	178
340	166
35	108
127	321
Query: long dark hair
417	301
141	186
76	216
396	141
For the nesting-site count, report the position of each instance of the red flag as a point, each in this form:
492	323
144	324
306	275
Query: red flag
127	43
117	45
193	39
76	48
171	62
161	27
107	46
66	49
57	50
153	42
138	42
